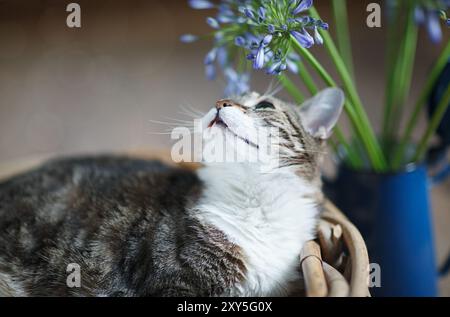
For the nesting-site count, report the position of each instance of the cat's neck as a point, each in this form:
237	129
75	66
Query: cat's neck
249	184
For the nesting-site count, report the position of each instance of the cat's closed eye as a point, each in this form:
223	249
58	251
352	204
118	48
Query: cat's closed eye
264	105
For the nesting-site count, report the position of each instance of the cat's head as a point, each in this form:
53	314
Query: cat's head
300	129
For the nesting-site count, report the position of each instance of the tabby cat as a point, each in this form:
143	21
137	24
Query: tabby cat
141	228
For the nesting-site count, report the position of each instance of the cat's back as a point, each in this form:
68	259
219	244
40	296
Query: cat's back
87	209
93	184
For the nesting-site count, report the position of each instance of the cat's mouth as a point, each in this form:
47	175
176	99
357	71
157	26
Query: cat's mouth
217	121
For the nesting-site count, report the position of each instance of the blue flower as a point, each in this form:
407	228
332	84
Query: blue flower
433	27
210	57
257	34
212	23
201	4
188	38
275	23
292	62
210	71
324	25
302	6
258	62
317	37
276	68
249	13
222	57
240	41
261	14
237	83
427	13
304	38
225	14
266	40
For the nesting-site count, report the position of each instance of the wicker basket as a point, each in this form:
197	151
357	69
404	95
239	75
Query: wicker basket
336	264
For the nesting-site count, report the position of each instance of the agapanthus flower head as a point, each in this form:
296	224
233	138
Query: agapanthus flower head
260	30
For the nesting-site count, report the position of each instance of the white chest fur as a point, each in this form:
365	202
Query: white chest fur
270	216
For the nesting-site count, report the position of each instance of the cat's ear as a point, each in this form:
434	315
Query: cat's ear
320	114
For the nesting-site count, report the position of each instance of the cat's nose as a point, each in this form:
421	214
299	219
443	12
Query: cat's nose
227	103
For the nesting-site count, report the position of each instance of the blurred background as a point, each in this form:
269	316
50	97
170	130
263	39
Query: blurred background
97	88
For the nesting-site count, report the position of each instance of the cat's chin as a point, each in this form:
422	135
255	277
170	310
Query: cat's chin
228	134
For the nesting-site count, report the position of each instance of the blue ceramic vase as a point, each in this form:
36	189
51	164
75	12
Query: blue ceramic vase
392	211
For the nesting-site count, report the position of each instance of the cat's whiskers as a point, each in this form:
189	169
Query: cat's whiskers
182	121
312	151
169	127
161	133
169	131
269	88
190	111
274	88
173	124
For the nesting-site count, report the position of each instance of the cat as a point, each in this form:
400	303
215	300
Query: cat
142	228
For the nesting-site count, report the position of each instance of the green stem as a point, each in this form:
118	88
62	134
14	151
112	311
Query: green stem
330	82
343	33
352	114
313	62
353	159
434	123
399	82
407	71
291	89
370	141
339	64
393	44
412	122
307	78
